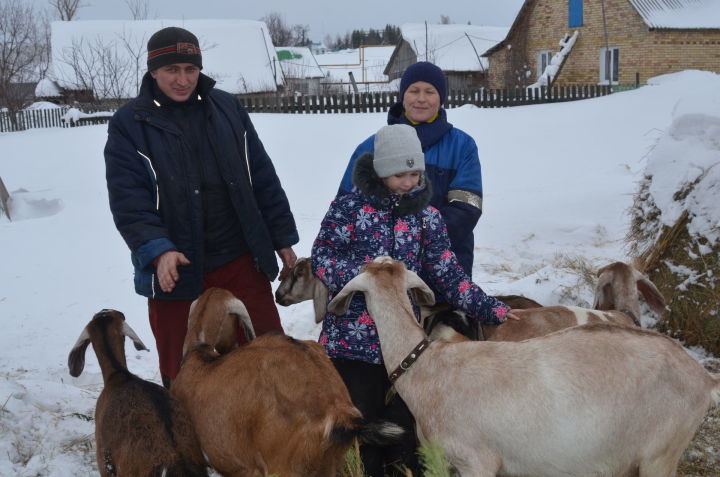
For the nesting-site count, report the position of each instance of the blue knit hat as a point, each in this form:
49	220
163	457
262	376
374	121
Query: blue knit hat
427	72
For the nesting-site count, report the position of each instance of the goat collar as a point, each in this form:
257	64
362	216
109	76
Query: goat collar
409	360
632	317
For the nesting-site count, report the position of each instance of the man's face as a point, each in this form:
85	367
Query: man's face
177	81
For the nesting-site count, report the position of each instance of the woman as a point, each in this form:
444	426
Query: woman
387	214
451	156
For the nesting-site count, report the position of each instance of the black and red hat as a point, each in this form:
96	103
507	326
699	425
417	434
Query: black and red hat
173	45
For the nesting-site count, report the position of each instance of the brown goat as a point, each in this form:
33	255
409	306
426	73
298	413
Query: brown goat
301	285
140	430
274	406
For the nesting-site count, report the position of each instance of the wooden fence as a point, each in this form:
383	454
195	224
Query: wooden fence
332	104
380	102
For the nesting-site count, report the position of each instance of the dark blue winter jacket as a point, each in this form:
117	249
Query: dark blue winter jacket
154	180
453	167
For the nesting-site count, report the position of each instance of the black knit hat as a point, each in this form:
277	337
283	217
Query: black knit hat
427	72
173	45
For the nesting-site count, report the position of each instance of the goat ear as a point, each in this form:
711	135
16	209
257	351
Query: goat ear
419	291
237	308
76	358
603	292
652	295
340	304
127	331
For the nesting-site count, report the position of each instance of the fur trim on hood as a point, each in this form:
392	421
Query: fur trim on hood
367	182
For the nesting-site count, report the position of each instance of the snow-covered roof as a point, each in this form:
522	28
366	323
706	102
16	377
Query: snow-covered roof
47	88
298	62
679	14
453	47
238	54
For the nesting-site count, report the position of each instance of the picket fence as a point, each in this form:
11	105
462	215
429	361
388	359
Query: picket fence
334	104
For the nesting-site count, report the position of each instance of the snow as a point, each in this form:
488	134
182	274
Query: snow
558	180
453	47
42	105
300	64
366	63
679	14
47	88
238	54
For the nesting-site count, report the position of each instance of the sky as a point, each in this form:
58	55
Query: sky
556	192
323	17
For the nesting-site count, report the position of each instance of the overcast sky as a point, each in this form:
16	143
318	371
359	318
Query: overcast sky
322	16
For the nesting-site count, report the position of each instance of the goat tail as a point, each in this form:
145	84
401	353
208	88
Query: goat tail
380	433
715	391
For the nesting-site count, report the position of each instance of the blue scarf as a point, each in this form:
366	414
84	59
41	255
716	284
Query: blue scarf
429	133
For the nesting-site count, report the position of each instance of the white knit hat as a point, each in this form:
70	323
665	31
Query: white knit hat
397	150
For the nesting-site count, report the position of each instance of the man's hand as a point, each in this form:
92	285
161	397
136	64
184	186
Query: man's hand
288	257
166	265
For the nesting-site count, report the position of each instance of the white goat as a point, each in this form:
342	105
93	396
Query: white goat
140	430
597	399
617	289
274	406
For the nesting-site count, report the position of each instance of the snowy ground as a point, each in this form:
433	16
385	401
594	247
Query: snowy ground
558	181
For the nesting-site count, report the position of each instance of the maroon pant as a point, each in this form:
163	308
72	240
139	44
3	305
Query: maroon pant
168	319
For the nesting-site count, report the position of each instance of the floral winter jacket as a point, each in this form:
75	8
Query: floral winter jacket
371	222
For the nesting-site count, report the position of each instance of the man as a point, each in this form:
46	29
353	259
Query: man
195	196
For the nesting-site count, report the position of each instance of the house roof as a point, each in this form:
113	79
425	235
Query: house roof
679	14
660	14
366	63
452	47
298	62
238	54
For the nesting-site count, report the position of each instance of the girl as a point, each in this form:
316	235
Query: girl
387	214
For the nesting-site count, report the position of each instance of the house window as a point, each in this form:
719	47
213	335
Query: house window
609	65
575	13
543	59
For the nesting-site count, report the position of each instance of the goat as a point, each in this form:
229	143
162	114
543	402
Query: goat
274	406
596	399
617	289
140	430
300	285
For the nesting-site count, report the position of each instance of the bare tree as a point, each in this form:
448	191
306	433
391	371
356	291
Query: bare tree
135	48
67	9
24	51
280	33
139	9
300	35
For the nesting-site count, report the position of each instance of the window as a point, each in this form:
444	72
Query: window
575	13
609	65
543	59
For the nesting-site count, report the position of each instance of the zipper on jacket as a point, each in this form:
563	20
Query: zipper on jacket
157	187
247	158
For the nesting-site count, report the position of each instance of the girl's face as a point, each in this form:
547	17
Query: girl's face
421	101
403	183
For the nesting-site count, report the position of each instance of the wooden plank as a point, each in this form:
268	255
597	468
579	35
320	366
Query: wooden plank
4	200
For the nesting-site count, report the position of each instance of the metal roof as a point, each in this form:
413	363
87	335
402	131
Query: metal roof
679	14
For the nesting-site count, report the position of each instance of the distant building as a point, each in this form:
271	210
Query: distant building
631	41
365	66
300	69
318	48
454	48
108	57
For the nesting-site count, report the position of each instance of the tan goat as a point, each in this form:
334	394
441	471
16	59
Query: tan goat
274	406
597	399
300	285
617	289
140	430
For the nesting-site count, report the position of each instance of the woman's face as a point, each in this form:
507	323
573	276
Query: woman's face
403	183
421	101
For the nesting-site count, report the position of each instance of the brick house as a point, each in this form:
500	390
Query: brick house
623	41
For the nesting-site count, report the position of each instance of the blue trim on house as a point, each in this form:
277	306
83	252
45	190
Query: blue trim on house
575	13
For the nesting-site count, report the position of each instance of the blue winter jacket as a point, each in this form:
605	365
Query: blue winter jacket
369	223
154	186
453	167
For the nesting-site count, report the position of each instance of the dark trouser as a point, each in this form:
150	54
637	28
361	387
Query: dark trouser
168	319
368	384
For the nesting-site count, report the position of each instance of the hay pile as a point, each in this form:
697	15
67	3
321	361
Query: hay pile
675	224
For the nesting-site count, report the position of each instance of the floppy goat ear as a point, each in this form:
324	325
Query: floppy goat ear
340	304
237	308
649	291
421	294
127	331
76	358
